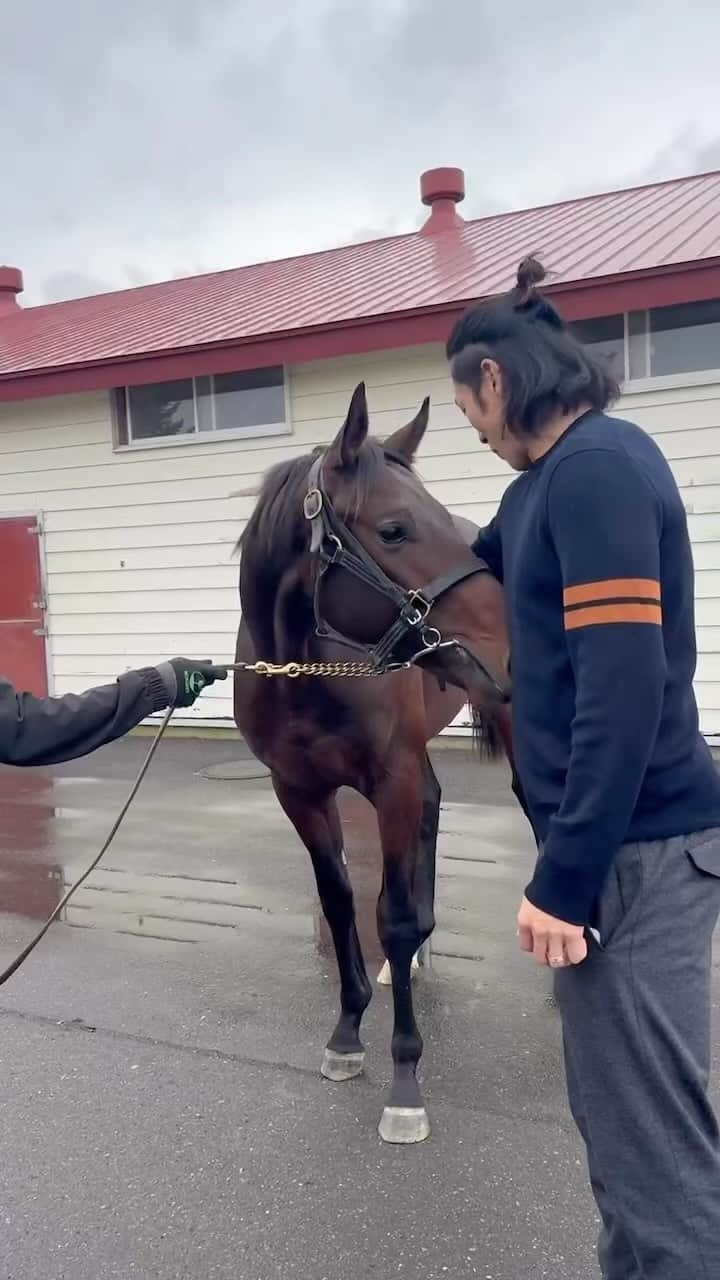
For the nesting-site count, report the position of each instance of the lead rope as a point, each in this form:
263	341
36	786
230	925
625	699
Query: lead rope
13	968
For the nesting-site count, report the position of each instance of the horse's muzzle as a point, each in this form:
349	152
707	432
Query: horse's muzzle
457	664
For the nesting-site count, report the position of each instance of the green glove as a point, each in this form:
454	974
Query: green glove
185	679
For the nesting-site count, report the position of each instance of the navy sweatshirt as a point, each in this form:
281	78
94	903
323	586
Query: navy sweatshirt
592	547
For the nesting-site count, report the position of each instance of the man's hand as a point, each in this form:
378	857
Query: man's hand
551	941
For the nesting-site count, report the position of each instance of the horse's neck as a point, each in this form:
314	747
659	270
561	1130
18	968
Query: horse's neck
280	620
293	621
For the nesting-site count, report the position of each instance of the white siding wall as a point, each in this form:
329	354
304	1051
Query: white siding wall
685	421
139	544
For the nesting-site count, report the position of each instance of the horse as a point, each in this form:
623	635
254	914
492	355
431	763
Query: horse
364	593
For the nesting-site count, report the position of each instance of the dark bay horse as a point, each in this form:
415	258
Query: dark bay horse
347	558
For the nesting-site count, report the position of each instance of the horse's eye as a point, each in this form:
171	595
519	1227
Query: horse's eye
393	534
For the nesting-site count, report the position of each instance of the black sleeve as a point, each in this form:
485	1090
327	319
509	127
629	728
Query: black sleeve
606	524
488	547
35	731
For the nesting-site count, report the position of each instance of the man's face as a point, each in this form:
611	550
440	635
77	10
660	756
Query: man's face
485	411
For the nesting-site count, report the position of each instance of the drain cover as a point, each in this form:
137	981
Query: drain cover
235	771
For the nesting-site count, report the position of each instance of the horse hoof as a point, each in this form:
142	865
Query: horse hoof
342	1066
384	978
404	1125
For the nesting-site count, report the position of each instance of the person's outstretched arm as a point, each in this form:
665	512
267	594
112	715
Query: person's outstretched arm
37	731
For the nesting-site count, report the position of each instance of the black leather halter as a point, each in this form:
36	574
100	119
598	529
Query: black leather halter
334	544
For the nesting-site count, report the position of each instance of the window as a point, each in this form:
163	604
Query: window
244	400
248	403
605	337
162	409
675	340
660	343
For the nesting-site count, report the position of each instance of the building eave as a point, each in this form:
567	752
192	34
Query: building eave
578	300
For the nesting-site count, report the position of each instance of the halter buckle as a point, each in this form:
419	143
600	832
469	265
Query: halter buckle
331	556
312	504
416	608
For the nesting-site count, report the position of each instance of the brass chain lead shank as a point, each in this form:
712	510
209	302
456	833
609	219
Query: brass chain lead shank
294	669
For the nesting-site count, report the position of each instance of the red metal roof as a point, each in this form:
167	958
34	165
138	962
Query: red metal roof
582	242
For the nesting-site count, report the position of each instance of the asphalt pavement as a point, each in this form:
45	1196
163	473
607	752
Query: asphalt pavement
161	1108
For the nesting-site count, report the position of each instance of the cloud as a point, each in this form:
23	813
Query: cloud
72	284
138	139
684	154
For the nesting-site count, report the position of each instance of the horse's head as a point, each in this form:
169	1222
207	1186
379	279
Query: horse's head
370	491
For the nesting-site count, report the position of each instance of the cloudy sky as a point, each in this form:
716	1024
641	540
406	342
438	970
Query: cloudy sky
140	141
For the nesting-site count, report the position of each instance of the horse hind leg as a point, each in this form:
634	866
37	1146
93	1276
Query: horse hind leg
317	823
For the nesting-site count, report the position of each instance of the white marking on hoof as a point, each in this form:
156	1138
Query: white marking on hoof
384	978
404	1125
342	1066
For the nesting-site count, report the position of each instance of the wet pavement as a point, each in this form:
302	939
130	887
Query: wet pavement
161	1109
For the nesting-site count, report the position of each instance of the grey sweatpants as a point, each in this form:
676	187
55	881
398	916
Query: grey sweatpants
636	1032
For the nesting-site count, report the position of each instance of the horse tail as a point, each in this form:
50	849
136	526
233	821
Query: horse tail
486	737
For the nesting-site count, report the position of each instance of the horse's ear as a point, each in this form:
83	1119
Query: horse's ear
406	441
352	435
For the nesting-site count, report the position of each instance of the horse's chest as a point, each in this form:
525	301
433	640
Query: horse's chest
306	743
306	755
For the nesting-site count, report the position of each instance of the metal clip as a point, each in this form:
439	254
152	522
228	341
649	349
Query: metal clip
431	638
289	669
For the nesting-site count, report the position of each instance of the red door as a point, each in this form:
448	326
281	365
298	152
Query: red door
22	617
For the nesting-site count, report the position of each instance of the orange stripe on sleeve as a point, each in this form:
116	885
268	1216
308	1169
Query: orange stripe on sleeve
612	589
602	614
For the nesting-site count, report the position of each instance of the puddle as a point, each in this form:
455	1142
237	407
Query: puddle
45	845
235	771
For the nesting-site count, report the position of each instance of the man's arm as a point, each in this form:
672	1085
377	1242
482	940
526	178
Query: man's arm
36	731
488	547
606	523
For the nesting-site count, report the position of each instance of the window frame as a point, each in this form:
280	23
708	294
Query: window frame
656	382
670	381
259	432
679	379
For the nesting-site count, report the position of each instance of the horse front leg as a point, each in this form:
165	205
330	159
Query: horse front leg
425	878
405	921
317	822
384	978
